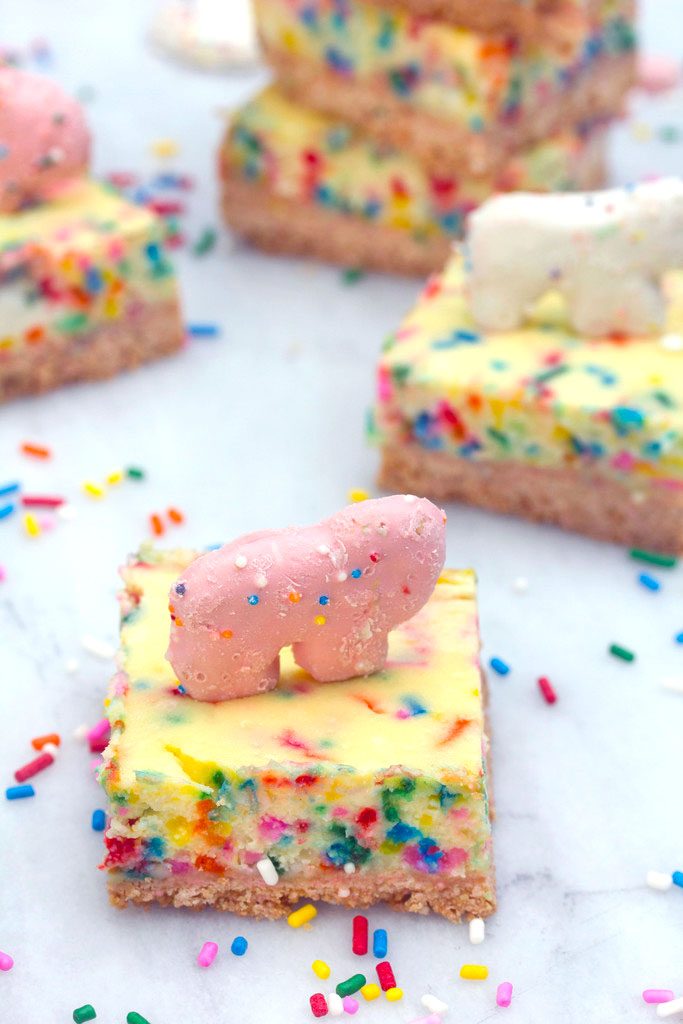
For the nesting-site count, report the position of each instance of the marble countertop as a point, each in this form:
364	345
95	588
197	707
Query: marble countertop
263	427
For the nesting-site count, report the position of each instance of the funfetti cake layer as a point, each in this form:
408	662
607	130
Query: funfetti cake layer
368	790
297	181
435	90
85	291
586	433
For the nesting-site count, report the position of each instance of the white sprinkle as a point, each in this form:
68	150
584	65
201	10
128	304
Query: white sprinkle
343	893
240	562
67	512
668	1009
350	867
267	871
671	683
98	648
433	1004
659	880
335	1004
72	665
341	576
261	582
477	931
50	748
520	585
671	342
81	731
323	549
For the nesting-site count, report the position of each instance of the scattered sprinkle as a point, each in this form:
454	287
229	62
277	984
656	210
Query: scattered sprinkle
433	1003
474	972
358	495
351	275
239	945
176	516
98	736
39	741
19	792
135	473
320	968
98	648
41	501
394	994
302	916
621	652
670	1008
93	490
499	666
504	994
6	962
203	330
335	1004
370	991
267	871
156	525
677	879
10	488
205	242
98	820
477	931
253	599
359	943
658	995
380	943
350	1004
31	525
318	1005
37	451
7	510
648	581
165	148
385	975
34	767
546	688
654	558
114	478
351	985
136	1018
207	954
84	1013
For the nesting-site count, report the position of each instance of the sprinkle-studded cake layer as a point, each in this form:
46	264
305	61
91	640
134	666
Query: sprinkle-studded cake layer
302	155
540	395
84	259
384	775
451	73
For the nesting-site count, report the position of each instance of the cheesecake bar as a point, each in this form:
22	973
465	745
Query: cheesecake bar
86	290
586	433
435	90
297	181
356	792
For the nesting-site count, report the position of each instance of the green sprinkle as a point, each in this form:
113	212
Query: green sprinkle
652	558
350	275
136	1018
622	652
82	1013
205	242
135	473
351	985
72	322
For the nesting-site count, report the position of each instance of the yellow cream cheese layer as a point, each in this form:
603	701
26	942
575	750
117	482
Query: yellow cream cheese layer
538	395
382	772
303	155
76	261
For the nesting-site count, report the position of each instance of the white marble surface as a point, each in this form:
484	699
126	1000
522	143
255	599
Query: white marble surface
265	427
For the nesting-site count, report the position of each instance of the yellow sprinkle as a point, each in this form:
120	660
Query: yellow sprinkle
302	916
321	969
165	148
357	494
394	994
115	478
320	620
474	972
93	490
370	991
31	525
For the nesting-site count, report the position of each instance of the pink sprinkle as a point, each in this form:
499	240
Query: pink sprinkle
657	73
207	954
658	995
98	736
3	573
350	1004
504	994
403	713
6	962
546	688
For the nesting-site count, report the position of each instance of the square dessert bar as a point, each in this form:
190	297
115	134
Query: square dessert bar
297	181
368	790
85	290
586	433
433	89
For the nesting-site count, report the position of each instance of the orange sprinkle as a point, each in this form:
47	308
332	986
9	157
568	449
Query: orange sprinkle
178	622
39	742
458	726
156	524
294	597
38	451
34	335
175	515
369	702
226	634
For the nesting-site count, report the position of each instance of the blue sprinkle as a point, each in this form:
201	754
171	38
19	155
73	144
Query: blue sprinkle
19	792
99	820
679	638
401	832
181	689
323	599
239	945
499	666
626	419
6	510
153	251
379	943
11	488
677	878
94	281
356	574
213	547
414	706
649	581
253	599
203	330
180	589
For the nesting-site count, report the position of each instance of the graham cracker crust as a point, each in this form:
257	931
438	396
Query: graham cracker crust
393	122
584	501
143	333
453	898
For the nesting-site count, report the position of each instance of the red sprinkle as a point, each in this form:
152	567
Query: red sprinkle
52	737
38	451
39	764
546	688
41	501
318	1005
385	975
166	207
176	516
156	524
360	935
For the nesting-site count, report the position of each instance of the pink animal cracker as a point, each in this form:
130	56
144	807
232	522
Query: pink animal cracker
333	591
44	139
